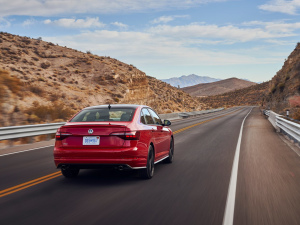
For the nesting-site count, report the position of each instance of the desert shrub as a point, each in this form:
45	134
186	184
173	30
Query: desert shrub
116	95
13	83
287	77
116	100
36	90
54	97
273	89
45	65
296	114
48	113
281	86
26	41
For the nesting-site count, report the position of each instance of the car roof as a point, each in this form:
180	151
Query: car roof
119	106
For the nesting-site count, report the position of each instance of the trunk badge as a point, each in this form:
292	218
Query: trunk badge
90	131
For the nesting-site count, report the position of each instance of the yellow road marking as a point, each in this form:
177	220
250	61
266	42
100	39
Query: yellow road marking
57	174
197	124
28	184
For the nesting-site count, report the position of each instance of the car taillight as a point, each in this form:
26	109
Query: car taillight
128	135
61	135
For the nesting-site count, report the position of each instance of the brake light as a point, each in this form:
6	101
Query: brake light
60	136
132	135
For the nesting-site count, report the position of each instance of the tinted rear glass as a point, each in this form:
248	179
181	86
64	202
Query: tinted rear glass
95	115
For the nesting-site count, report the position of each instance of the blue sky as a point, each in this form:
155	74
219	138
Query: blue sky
167	38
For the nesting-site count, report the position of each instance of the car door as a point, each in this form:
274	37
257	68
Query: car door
156	134
162	133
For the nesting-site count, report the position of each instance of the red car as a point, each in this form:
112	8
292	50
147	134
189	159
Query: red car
118	136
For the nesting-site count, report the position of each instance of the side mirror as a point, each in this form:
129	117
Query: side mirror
167	122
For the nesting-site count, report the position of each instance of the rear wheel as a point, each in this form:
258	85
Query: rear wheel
69	172
171	152
148	172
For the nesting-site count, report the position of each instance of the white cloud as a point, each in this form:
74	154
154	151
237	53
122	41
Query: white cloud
166	19
71	7
186	45
226	33
73	23
278	27
120	25
282	6
4	23
142	48
29	22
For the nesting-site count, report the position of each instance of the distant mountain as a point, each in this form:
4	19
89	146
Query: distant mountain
218	87
189	80
253	95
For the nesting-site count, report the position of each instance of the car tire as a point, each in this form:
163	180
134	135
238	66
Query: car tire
148	172
69	172
170	159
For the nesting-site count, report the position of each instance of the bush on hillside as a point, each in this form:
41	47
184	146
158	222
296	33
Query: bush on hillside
13	83
48	113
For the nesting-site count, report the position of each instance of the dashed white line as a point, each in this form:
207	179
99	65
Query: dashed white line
229	210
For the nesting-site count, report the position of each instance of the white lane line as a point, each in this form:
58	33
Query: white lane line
27	150
229	210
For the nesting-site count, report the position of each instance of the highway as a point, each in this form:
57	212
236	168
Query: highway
192	190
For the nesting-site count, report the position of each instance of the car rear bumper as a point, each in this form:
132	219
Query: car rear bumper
128	158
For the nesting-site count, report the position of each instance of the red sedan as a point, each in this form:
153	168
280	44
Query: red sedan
118	136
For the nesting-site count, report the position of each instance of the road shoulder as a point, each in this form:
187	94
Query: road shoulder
268	179
26	147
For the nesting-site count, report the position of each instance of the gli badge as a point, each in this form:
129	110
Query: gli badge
90	131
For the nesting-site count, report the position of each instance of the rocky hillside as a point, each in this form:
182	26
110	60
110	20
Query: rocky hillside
218	87
253	95
190	80
44	82
284	89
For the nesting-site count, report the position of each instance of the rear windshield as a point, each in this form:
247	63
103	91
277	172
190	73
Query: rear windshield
93	115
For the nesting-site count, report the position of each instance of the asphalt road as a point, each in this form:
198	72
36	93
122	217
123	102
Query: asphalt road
192	190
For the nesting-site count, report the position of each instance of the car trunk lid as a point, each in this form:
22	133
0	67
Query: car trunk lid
90	136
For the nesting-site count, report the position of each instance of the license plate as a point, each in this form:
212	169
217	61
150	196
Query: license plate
91	140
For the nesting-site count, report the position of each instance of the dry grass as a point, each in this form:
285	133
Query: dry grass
46	113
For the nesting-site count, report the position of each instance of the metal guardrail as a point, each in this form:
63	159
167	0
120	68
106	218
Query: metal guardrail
196	113
289	128
272	119
13	132
175	116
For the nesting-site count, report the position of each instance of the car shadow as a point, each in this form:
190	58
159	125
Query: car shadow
102	177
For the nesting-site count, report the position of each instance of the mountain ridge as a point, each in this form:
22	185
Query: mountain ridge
189	80
218	87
